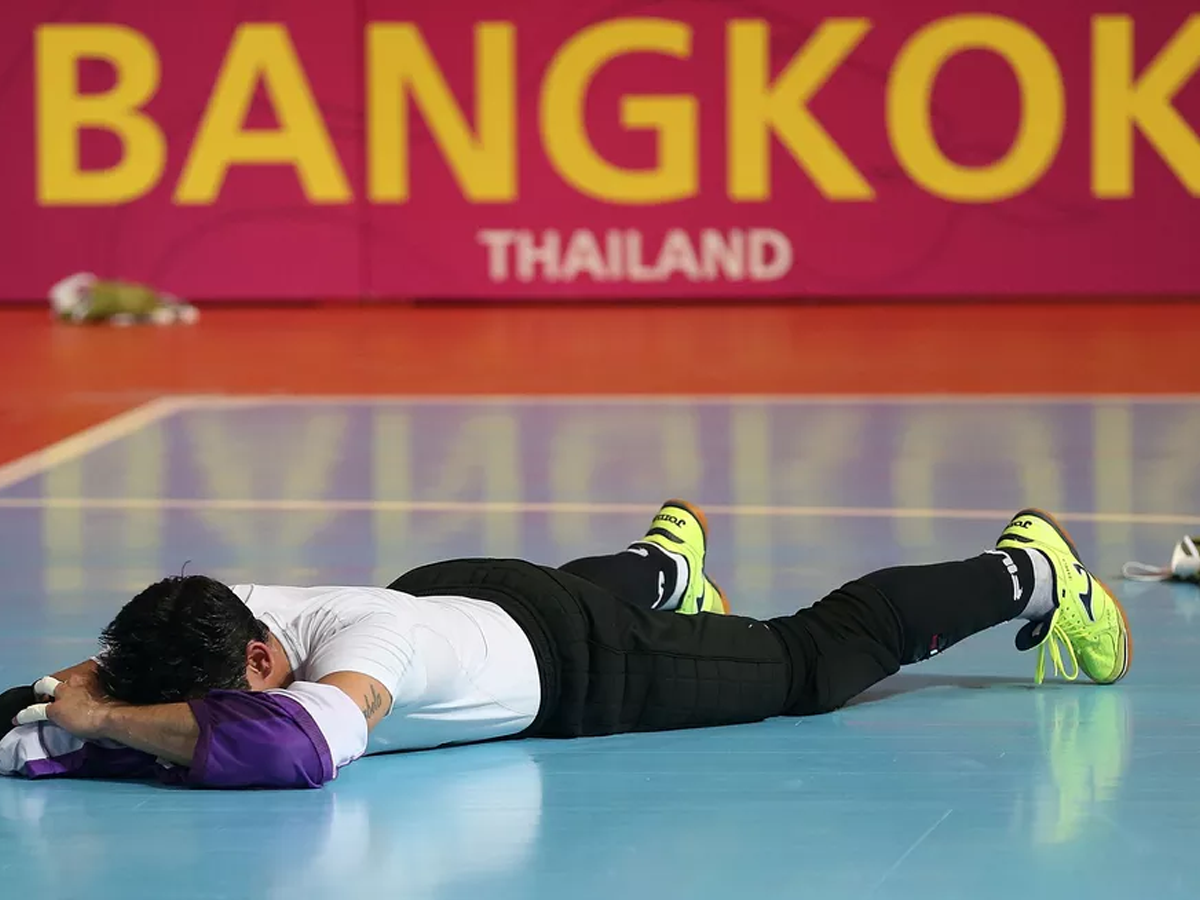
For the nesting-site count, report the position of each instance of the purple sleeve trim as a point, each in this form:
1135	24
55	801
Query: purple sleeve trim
94	761
313	732
200	755
257	740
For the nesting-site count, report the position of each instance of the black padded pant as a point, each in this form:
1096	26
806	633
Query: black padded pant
608	666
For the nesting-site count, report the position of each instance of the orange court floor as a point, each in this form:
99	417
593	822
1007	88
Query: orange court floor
61	379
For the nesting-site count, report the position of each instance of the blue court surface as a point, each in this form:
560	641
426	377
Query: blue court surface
955	779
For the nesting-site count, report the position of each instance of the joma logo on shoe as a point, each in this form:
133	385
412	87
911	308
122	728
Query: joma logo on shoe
674	520
1023	523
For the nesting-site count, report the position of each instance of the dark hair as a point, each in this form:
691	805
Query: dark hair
176	640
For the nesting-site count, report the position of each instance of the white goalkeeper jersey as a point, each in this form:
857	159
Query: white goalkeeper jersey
459	670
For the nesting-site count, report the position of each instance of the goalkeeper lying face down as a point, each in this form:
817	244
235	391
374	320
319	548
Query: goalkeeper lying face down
201	684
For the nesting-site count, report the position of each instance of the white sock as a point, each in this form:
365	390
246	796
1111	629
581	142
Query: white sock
1041	601
1032	579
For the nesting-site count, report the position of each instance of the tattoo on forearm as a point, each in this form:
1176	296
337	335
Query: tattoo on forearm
373	704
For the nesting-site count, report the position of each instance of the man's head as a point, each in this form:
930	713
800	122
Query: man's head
185	636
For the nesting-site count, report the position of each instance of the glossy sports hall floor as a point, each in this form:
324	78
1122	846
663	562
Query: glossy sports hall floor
824	442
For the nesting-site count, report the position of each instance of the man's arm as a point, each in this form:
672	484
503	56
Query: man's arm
70	742
167	731
170	731
297	737
86	668
372	697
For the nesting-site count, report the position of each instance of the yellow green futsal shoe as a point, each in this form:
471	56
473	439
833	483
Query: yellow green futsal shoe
680	527
1087	619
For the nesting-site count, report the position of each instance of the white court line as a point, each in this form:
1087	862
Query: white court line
230	401
90	439
134	504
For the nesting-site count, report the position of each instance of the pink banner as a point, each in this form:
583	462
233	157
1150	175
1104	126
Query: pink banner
478	148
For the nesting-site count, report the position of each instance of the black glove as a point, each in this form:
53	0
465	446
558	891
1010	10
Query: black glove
12	702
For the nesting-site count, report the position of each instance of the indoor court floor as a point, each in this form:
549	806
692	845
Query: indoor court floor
956	779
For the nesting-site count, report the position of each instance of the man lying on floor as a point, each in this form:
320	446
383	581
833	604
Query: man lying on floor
257	686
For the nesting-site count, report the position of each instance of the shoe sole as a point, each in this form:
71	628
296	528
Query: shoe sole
1062	532
702	521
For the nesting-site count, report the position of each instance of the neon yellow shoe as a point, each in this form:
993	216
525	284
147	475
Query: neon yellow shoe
681	528
1087	619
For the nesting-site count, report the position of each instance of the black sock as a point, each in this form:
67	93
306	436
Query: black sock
867	629
645	575
939	605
